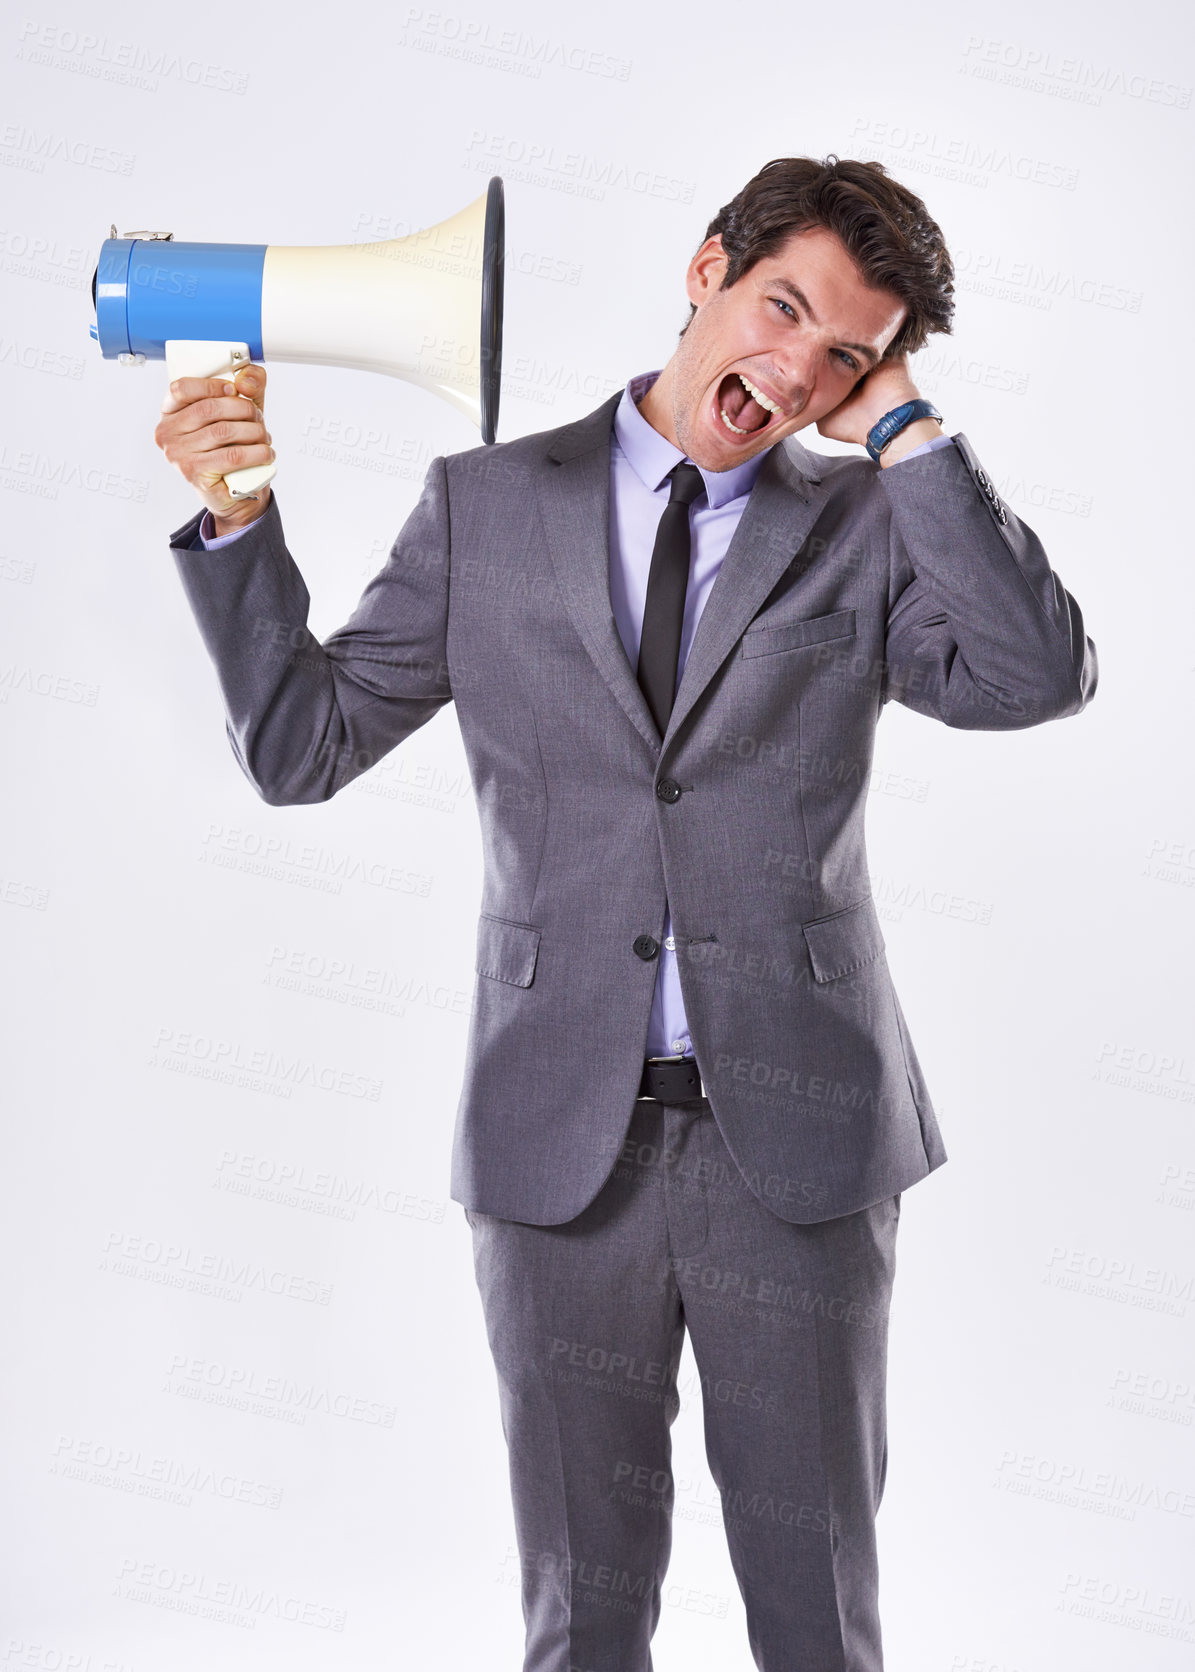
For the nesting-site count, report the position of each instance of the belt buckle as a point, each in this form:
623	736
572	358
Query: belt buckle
681	1057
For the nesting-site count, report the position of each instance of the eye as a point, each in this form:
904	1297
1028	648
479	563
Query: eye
848	360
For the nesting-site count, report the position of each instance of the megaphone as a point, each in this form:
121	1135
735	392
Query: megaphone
426	308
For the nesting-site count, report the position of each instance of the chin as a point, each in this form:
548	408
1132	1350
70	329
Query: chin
710	452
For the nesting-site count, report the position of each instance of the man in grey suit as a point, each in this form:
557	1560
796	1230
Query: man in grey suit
690	1098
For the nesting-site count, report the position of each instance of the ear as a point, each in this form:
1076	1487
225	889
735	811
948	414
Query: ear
706	271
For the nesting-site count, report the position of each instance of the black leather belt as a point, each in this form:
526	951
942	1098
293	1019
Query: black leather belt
671	1079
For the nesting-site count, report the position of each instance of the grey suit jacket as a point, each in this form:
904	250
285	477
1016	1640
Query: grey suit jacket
844	586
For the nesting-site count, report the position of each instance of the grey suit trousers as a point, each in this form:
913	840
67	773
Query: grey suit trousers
789	1326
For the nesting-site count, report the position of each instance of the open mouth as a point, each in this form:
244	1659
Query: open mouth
743	410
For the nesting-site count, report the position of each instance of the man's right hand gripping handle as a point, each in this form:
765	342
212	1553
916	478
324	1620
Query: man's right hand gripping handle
210	426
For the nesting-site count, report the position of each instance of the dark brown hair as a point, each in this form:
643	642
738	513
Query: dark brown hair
885	227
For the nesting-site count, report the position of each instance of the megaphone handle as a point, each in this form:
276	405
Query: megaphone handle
186	358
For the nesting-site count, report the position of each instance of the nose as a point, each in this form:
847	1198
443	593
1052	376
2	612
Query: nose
795	374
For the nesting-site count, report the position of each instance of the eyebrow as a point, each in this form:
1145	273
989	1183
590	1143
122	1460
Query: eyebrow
797	295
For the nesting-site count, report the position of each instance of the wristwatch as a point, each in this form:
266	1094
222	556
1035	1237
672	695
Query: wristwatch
882	431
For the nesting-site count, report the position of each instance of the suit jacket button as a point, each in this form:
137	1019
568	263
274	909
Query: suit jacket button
668	790
646	947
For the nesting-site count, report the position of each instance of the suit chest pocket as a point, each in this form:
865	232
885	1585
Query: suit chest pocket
764	639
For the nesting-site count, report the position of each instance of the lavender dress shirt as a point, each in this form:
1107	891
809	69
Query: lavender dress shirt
640	459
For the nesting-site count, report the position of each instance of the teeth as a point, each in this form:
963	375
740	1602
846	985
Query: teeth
729	425
758	395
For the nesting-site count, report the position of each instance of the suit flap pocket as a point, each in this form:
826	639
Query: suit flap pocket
506	950
790	635
844	942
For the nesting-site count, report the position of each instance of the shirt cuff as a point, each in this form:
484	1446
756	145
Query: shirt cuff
208	540
925	447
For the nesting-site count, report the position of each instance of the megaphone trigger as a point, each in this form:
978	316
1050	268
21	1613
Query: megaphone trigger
190	358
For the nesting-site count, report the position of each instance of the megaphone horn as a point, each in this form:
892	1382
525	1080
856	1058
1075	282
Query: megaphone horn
426	308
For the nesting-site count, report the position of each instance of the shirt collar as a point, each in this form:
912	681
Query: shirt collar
651	455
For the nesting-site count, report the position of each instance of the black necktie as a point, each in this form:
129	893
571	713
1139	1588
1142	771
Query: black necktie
664	610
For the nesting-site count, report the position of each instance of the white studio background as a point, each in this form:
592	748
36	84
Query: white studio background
301	1465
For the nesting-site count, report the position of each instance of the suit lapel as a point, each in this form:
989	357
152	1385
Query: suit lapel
574	497
781	509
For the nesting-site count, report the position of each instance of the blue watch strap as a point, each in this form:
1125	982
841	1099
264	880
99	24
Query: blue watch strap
882	431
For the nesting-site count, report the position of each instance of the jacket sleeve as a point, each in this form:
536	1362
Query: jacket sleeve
304	718
981	632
